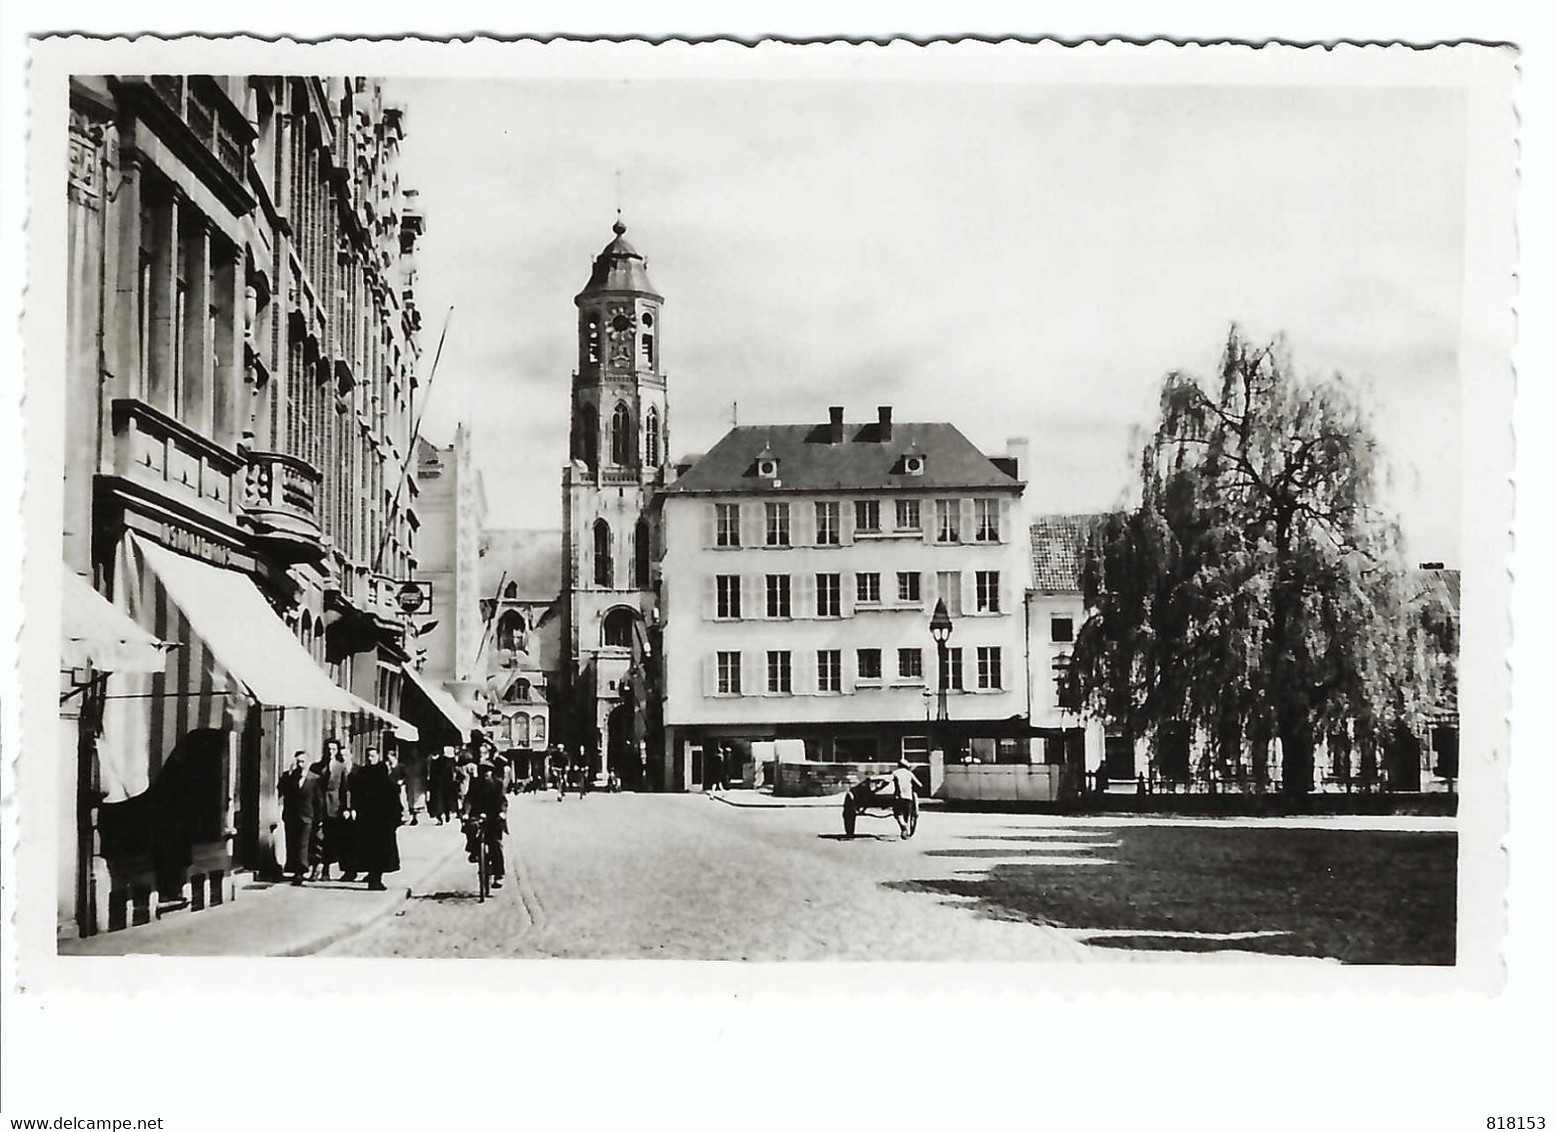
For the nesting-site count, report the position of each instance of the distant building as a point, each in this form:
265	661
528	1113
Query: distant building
522	646
802	565
1055	611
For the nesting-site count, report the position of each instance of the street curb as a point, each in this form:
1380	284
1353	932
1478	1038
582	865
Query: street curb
352	927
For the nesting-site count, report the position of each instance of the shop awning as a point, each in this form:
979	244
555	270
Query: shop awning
98	636
247	638
448	709
403	731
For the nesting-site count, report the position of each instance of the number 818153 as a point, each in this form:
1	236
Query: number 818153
1515	1123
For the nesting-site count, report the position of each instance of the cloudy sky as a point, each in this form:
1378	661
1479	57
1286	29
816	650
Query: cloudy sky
1019	259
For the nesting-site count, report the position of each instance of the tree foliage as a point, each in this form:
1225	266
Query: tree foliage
1257	591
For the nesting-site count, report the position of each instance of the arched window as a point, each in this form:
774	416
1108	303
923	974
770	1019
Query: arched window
592	339
621	436
604	575
642	554
586	436
517	692
617	631
510	630
651	437
521	730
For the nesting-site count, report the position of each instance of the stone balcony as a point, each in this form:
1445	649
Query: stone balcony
280	495
159	452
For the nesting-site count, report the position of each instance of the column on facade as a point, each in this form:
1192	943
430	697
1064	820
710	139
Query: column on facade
194	396
123	331
159	281
230	291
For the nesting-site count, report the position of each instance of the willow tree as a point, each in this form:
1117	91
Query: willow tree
1258	590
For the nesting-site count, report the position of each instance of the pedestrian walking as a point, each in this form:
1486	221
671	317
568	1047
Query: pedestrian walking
904	785
442	773
713	771
375	797
333	812
299	792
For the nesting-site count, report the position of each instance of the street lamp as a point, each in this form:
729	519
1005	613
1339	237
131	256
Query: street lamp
940	630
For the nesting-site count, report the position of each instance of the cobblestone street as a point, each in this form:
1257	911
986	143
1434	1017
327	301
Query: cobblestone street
686	877
683	876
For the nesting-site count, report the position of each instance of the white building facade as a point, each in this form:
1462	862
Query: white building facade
802	565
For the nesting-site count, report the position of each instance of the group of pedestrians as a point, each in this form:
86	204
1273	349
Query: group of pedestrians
450	774
336	814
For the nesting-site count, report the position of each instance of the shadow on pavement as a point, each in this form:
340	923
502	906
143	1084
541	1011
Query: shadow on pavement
857	837
1003	854
448	897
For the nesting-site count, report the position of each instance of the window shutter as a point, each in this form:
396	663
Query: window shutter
929	518
710	674
802	523
753	525
926	590
848	589
803	671
1005	507
845	521
804	596
849	659
710	606
710	524
965	518
753	673
1004	593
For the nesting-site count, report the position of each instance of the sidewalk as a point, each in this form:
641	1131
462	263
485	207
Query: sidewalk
279	918
762	800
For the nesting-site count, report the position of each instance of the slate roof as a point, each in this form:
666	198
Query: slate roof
1059	551
531	558
809	461
619	267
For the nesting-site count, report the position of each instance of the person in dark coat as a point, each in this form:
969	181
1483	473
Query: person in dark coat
334	812
375	798
486	807
298	791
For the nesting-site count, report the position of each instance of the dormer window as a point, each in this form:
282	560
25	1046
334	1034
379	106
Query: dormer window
767	469
913	465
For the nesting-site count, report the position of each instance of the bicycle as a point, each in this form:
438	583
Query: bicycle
475	828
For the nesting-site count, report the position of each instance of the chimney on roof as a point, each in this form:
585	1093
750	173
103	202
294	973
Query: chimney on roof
1017	448
884	422
837	423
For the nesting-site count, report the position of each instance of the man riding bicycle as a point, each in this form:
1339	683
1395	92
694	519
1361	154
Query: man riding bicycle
486	807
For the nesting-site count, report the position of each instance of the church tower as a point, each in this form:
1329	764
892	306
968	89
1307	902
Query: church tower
617	458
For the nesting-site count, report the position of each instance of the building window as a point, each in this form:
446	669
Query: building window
642	554
586	444
829	595
180	318
621	435
915	748
953	670
617	632
867	589
1061	630
780	673
729	674
727	516
777	524
648	350
538	732
510	631
990	676
867	516
828	522
651	435
986	520
948	585
829	670
1065	695
778	595
908	587
604	572
728	607
908	516
869	664
988	591
910	664
143	314
948	520
592	339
